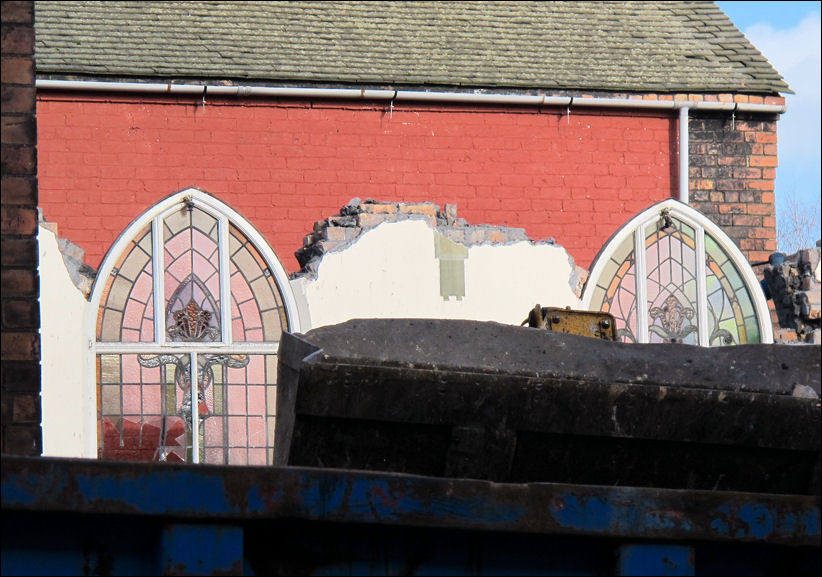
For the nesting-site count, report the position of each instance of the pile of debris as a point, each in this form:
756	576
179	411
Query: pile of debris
793	282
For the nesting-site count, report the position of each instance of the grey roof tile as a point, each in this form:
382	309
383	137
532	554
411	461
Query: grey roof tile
607	46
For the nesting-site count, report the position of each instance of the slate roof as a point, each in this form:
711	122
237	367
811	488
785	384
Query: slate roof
543	46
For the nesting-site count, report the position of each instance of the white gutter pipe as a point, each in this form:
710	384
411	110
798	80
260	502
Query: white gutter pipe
408	95
683	155
421	96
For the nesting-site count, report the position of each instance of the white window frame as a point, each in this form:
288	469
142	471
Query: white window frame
637	228
225	215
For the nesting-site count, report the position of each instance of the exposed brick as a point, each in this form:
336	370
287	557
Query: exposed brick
369	220
17	39
26	409
733	184
20	346
23	439
17	70
17	99
20	376
747	220
426	208
19	191
759	233
17	160
20	314
732	208
770	161
746	173
17	12
19	252
18	130
379	208
18	220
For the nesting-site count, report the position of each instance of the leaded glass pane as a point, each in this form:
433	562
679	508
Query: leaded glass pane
670	258
192	279
146	414
126	311
731	313
257	310
148	401
683	284
616	290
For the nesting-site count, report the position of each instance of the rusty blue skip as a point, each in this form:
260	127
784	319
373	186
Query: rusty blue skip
63	516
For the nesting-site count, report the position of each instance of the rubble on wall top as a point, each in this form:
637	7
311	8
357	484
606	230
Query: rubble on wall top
338	231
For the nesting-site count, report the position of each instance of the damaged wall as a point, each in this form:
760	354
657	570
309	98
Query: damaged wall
284	164
66	399
382	260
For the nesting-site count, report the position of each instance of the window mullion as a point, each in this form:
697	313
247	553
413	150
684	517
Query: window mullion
641	286
225	281
701	288
194	390
158	260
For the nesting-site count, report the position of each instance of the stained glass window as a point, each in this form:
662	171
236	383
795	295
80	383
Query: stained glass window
198	255
693	284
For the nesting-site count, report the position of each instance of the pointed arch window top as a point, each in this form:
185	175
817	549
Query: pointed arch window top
220	283
672	275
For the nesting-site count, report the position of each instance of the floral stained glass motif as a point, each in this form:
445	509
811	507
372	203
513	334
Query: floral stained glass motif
691	288
670	257
195	383
192	280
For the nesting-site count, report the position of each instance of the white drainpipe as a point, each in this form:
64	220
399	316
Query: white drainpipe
683	154
421	96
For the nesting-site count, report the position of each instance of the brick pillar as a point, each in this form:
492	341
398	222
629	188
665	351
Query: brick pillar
732	173
20	349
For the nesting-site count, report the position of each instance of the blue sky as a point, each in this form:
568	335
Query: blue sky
787	34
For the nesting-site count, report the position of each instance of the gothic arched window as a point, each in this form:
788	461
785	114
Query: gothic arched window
671	275
189	285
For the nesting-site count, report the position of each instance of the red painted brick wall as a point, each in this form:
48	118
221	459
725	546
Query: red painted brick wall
284	165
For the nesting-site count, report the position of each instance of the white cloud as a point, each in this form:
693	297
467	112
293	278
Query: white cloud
795	53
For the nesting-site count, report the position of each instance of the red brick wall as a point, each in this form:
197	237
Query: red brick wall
733	166
20	381
285	165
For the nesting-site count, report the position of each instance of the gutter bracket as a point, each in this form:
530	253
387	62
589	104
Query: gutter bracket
391	105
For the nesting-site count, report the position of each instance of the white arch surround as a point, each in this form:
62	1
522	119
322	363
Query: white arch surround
215	208
154	216
637	227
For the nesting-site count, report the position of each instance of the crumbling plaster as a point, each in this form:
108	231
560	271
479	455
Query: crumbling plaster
386	265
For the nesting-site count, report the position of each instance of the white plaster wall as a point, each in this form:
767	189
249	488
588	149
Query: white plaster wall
391	271
67	398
